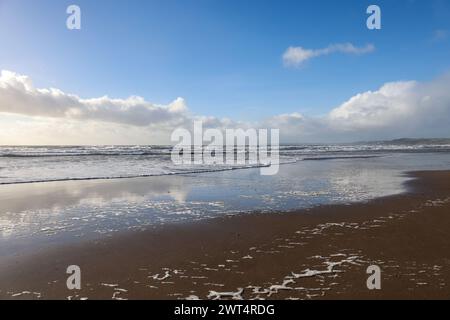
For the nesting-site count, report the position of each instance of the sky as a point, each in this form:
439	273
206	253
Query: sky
136	70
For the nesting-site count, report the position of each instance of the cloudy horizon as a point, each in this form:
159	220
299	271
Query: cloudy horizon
396	109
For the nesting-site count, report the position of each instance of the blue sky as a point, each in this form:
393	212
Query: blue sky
224	57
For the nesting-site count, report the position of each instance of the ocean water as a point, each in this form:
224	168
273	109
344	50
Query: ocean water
75	203
24	164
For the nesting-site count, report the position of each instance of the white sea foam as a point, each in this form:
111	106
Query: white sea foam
235	295
58	163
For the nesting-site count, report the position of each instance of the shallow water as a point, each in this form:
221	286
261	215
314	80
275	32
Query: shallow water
39	214
21	164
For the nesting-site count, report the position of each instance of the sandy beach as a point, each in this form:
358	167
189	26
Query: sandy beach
317	253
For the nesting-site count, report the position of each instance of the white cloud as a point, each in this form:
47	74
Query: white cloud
19	96
49	116
376	109
396	109
30	115
296	56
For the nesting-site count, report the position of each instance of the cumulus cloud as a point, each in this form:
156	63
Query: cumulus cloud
396	109
296	56
19	96
380	108
50	116
406	108
31	115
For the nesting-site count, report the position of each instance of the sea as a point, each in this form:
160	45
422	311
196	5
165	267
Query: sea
54	194
26	164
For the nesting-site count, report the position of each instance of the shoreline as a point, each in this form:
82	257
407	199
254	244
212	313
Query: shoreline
321	252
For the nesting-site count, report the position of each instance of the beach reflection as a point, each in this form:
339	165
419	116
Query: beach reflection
30	209
68	211
57	195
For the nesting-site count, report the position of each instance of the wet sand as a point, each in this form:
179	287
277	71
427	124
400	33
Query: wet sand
318	253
